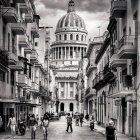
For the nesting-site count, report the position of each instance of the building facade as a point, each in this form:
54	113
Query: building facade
67	50
21	91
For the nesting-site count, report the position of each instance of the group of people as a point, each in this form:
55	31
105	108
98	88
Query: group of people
32	123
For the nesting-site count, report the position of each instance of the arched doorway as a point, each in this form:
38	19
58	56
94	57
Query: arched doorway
71	107
62	107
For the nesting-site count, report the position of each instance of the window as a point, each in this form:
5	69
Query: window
65	37
62	85
82	37
71	94
36	44
62	94
2	76
59	37
71	37
7	76
8	41
77	37
12	77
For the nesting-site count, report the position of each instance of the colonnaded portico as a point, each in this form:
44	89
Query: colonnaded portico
70	46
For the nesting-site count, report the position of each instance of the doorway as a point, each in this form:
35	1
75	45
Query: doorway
71	107
62	107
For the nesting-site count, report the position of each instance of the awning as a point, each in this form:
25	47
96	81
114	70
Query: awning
122	93
9	100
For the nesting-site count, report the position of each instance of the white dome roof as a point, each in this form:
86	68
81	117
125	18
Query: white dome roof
71	20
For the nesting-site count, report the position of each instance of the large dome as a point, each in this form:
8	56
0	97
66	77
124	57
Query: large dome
71	20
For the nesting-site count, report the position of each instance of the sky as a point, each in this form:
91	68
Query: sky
95	13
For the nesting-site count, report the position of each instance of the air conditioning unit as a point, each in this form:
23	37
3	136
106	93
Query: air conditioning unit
127	80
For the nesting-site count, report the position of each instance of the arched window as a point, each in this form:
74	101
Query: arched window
59	37
77	37
62	107
71	37
65	37
71	106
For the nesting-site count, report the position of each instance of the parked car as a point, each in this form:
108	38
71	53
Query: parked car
54	116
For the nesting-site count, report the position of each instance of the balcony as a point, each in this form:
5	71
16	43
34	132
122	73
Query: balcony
118	8
108	74
12	58
127	47
88	90
24	99
24	7
23	41
28	50
35	30
3	58
90	93
34	56
91	66
18	67
116	62
18	28
22	80
29	17
35	87
98	81
124	89
10	14
20	1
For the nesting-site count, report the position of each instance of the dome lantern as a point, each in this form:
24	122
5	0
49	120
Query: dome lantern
71	6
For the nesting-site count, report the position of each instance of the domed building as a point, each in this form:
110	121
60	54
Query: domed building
67	50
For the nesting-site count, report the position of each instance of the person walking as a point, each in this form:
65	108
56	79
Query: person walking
12	124
69	122
33	123
81	119
111	131
87	117
45	124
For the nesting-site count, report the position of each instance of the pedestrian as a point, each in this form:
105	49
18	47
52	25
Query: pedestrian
87	117
77	120
81	119
110	131
45	124
33	124
69	122
12	124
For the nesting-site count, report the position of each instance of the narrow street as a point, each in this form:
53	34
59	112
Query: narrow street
57	131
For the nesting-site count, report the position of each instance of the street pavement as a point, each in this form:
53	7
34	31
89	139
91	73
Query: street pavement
57	131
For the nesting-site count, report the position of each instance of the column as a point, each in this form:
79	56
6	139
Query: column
65	53
65	91
73	52
74	91
68	52
59	95
55	53
61	52
68	90
80	51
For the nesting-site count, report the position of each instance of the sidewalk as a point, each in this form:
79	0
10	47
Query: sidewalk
102	131
5	135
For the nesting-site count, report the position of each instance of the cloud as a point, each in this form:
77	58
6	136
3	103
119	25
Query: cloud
96	15
81	5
